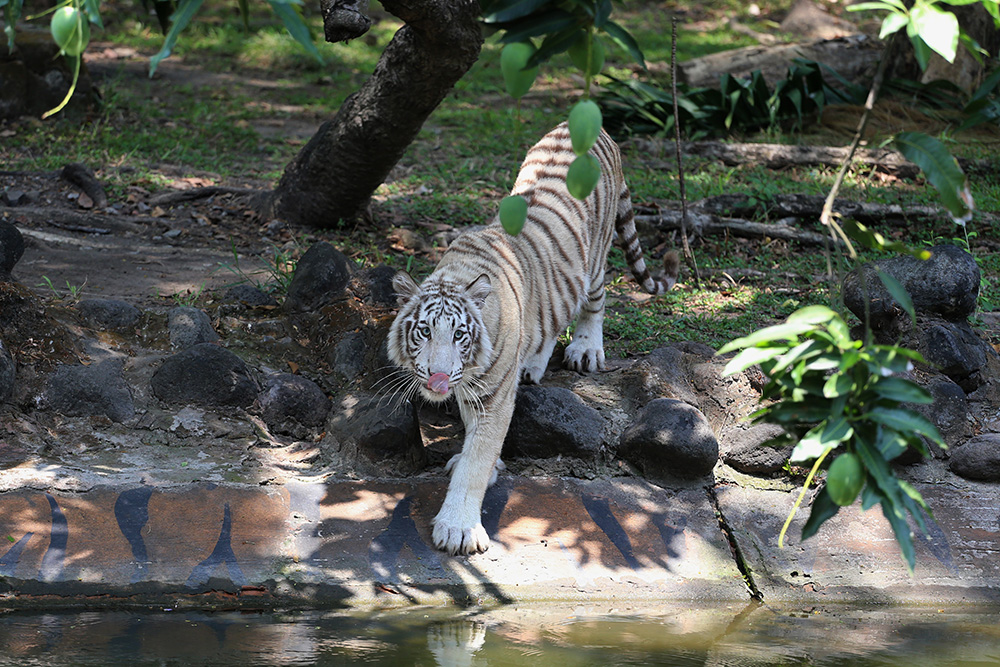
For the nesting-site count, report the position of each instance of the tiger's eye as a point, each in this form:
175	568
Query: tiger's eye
425	331
459	335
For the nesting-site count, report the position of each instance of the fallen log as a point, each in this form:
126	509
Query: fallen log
178	196
781	156
706	224
79	221
799	206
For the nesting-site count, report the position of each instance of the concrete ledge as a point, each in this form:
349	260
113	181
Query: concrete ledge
361	544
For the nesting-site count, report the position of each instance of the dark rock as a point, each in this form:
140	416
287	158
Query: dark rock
946	285
109	314
549	421
664	372
15	197
320	277
954	349
670	439
205	374
978	459
189	327
7	373
366	427
97	389
293	396
11	249
748	449
949	411
379	283
349	355
249	296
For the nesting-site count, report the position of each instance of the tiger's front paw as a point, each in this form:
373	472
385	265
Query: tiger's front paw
458	539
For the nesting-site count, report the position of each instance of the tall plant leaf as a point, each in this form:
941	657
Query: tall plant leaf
502	12
941	169
624	39
179	20
296	27
937	28
11	15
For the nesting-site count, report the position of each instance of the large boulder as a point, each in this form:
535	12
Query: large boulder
670	439
320	277
96	389
978	459
11	249
288	396
549	421
206	375
7	373
751	450
381	436
956	350
946	286
108	314
189	326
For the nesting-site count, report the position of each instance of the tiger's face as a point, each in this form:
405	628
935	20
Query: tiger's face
438	337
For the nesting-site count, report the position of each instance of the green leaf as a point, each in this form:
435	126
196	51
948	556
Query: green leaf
824	437
554	44
541	24
901	390
892	23
93	10
802	352
179	20
12	14
899	293
750	357
905	421
941	169
888	6
937	28
779	332
823	508
513	10
296	27
812	315
891	444
838	384
624	39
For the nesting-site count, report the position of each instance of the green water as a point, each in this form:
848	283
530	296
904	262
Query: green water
537	635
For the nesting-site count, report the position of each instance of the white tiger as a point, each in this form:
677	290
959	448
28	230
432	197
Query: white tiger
489	315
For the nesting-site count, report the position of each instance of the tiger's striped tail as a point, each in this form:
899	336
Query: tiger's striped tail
629	239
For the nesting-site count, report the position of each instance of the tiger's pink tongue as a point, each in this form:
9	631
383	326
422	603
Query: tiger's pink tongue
438	383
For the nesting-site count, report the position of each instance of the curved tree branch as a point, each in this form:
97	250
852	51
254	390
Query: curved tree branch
334	175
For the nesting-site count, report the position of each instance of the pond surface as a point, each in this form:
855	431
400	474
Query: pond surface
533	635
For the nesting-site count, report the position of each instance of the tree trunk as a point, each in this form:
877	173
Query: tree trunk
333	176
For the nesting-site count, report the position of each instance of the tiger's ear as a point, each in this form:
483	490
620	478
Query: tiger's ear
406	288
479	289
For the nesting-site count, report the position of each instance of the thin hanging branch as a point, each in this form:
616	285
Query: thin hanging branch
826	216
688	255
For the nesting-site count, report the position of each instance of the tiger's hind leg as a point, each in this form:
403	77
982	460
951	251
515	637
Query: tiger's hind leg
586	352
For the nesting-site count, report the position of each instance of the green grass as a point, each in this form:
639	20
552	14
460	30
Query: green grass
466	157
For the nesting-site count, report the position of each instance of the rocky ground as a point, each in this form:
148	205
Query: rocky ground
112	390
